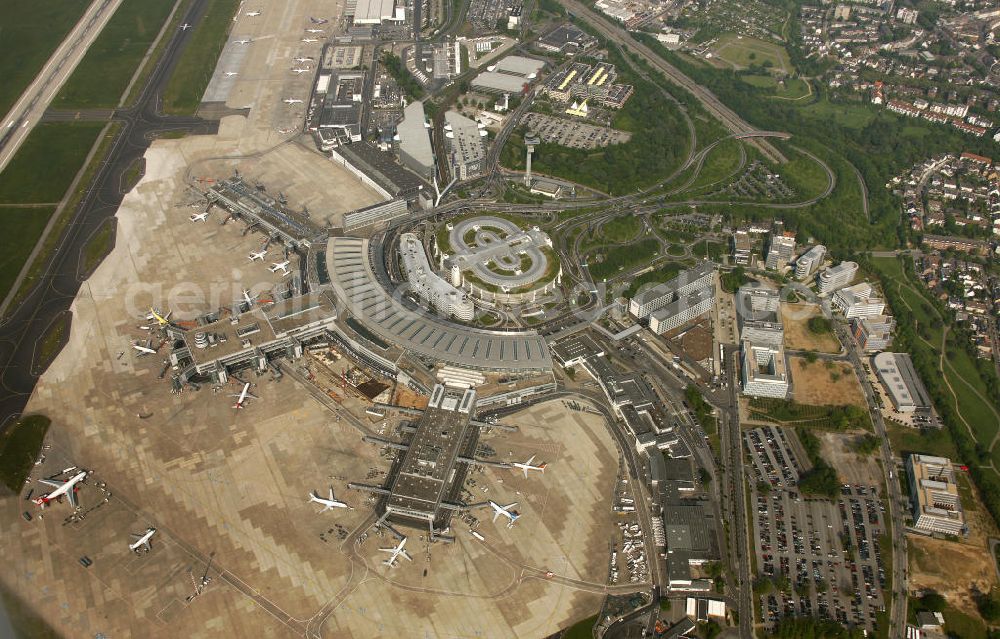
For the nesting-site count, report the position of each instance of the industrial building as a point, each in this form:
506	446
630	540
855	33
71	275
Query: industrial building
415	151
363	299
764	369
657	297
873	333
465	142
682	310
567	39
937	507
439	294
338	107
809	261
509	75
374	12
858	301
780	253
901	382
836	277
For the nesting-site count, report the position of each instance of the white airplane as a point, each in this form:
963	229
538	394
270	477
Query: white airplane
280	266
258	255
199	217
244	396
144	350
314	31
248	298
309	40
300	70
140	541
505	511
185	26
396	552
328	504
67	488
526	466
301	60
243	41
230	74
253	14
318	20
292	101
162	320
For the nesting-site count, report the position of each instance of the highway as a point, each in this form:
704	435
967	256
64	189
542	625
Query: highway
60	280
28	110
618	35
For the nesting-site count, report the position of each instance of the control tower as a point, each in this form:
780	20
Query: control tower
530	142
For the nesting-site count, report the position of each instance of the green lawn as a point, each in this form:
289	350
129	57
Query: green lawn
21	227
104	72
805	176
194	70
582	629
47	162
906	440
742	52
793	88
621	229
720	163
659	275
622	258
29	34
19	448
850	116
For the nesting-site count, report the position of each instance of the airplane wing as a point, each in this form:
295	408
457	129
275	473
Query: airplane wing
71	494
525	470
496	513
55	483
530	459
147	545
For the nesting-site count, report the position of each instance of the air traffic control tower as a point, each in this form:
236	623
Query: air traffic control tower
430	476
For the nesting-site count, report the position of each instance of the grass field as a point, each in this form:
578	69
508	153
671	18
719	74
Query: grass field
720	163
792	89
21	227
47	162
19	448
659	275
740	52
104	72
621	229
194	70
805	176
624	257
29	33
582	629
854	117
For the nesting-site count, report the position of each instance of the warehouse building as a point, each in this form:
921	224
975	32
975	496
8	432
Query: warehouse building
509	75
937	507
567	39
415	151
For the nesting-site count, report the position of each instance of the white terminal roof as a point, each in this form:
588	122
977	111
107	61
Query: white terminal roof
373	11
500	82
519	65
414	140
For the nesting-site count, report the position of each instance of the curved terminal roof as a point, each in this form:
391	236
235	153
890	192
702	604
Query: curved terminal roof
359	293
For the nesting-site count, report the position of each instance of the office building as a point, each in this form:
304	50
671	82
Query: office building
837	277
937	507
901	382
759	316
857	301
873	333
780	253
656	297
809	261
682	310
764	369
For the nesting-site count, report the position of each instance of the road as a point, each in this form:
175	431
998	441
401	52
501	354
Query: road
712	104
28	110
60	280
894	497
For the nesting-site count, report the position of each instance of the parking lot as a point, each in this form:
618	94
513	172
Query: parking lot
576	135
822	555
758	182
484	15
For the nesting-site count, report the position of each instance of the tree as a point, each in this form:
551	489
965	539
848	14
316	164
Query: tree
933	602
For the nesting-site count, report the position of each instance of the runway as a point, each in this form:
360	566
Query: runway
61	279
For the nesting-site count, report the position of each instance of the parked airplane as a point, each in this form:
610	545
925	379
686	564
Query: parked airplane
258	255
146	349
300	60
162	320
280	266
526	466
328	504
243	41
292	101
248	298
140	541
253	14
314	31
199	217
67	488
396	552
309	40
185	26
505	511
300	70
318	20
230	74
244	396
